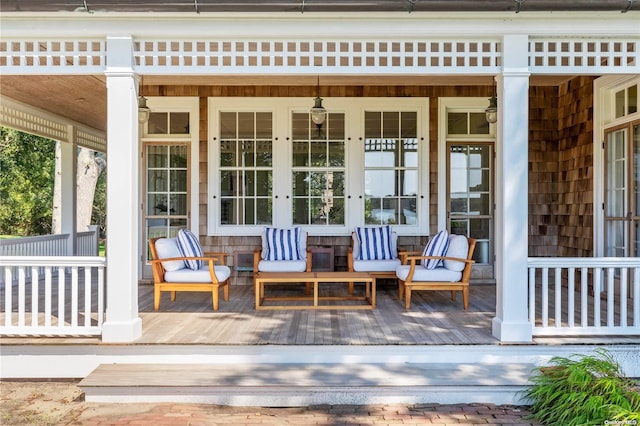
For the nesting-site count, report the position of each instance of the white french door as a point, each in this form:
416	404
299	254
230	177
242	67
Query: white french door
622	201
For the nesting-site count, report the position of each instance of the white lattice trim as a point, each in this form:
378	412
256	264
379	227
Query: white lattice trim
287	56
96	142
31	122
553	55
53	56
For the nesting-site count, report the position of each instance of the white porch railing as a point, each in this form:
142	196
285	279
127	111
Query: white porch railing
86	244
584	296
72	289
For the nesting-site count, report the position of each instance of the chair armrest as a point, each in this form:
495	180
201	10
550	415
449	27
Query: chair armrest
257	256
413	259
218	254
205	258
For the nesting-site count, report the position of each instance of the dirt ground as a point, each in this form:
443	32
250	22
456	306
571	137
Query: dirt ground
53	403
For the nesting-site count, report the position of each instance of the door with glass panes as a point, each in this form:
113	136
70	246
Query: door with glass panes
166	196
470	194
622	201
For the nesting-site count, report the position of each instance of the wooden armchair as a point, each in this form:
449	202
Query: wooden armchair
270	258
357	261
171	274
453	275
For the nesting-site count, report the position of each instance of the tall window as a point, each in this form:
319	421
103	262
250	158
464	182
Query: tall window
318	159
390	167
246	168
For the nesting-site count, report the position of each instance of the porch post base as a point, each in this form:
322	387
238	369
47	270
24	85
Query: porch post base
512	332
121	331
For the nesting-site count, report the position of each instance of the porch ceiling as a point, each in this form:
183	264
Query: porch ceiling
83	98
204	6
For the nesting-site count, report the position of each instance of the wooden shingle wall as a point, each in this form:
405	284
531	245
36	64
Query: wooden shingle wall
575	168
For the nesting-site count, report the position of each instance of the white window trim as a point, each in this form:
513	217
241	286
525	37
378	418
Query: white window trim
354	156
446	105
604	89
192	106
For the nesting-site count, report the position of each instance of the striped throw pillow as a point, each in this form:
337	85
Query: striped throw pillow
282	244
375	243
189	246
437	246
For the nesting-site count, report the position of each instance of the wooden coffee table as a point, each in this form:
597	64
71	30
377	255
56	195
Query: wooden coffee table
316	279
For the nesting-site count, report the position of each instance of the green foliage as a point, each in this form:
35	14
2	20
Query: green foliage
583	390
27	168
99	212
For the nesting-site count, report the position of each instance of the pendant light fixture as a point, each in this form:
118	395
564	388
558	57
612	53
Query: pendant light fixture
491	113
318	112
143	109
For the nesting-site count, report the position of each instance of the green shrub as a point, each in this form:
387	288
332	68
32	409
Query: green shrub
584	390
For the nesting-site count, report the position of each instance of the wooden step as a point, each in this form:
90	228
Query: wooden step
288	385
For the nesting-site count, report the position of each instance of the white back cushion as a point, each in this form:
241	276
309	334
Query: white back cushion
458	247
166	248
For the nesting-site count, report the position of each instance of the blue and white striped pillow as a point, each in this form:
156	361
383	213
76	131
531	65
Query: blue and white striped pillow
375	243
189	246
282	244
437	246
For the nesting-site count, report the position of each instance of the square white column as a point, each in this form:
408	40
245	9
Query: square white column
511	323
122	321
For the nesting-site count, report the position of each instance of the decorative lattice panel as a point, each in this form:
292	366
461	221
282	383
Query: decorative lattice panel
552	55
53	56
300	57
29	122
91	141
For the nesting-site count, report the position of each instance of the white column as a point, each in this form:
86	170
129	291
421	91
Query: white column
511	322
68	190
122	321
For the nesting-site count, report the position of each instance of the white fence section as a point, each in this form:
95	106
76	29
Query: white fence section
67	302
584	296
49	245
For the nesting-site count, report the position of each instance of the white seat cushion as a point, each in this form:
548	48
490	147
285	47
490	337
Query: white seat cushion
166	248
282	266
201	275
422	274
376	265
458	247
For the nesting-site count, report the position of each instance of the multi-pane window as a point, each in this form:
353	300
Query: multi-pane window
626	101
390	167
246	168
318	170
168	123
166	189
470	195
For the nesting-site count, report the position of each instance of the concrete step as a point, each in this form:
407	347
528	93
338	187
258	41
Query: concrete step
289	385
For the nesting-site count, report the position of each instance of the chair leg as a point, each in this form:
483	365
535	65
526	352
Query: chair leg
351	289
215	298
307	289
407	298
400	289
173	296
465	297
156	298
226	291
453	295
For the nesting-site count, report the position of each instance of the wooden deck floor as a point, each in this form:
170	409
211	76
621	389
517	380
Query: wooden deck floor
433	319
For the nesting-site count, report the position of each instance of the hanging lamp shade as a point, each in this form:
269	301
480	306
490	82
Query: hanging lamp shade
143	110
491	113
318	112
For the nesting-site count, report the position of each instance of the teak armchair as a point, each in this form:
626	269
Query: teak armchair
414	276
169	276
